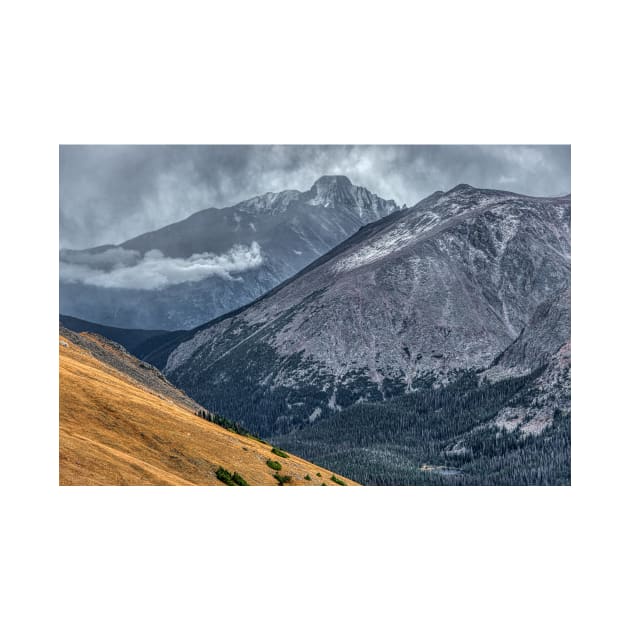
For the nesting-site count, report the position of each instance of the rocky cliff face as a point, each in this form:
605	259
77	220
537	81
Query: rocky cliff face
216	260
545	344
544	335
417	296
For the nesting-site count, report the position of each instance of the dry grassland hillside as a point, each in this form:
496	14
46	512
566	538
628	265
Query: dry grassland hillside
118	426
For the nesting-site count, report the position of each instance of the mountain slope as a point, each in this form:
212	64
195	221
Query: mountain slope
544	343
543	336
412	299
445	436
121	423
130	338
215	260
507	425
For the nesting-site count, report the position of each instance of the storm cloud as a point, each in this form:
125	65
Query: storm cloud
128	269
109	194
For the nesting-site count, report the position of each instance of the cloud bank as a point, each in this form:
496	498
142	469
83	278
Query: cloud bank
127	269
109	194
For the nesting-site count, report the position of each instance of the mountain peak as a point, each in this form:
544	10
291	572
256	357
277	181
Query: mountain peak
326	182
338	190
461	188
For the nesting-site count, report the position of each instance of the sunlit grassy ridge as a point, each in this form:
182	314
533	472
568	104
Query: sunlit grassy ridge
114	431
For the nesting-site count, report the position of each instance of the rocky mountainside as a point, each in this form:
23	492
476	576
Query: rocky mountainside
548	330
544	343
417	297
509	424
214	261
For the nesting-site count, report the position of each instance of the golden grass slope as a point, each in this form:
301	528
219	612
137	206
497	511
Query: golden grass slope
114	431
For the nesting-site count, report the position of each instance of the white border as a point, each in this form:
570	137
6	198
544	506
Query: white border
281	72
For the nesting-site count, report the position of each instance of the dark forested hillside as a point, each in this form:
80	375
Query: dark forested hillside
130	338
443	436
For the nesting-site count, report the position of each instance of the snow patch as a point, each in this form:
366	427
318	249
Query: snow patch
278	201
332	403
380	248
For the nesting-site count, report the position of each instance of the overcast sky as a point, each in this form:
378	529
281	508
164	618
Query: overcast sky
108	194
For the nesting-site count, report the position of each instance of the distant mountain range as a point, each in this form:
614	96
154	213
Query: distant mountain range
216	260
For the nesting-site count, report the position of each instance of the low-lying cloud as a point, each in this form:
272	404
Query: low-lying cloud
106	259
127	269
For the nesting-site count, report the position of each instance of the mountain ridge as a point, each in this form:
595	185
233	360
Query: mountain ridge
265	239
447	284
122	423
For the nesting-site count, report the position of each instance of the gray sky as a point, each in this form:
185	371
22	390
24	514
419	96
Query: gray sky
108	194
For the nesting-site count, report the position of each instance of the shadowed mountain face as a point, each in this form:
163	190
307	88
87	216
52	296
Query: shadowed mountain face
216	260
130	339
414	298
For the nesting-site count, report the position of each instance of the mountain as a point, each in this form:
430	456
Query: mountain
414	299
130	338
507	425
545	334
122	423
216	260
544	343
